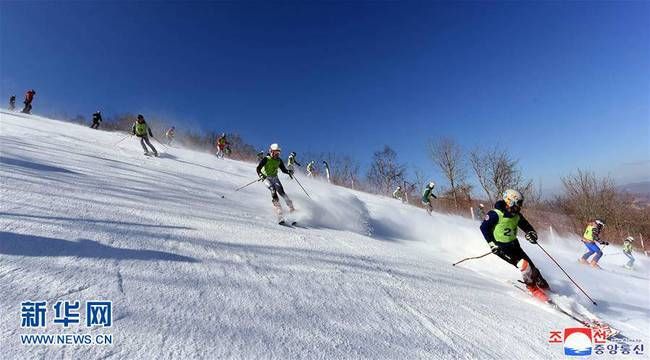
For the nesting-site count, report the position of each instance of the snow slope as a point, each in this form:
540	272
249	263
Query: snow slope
197	270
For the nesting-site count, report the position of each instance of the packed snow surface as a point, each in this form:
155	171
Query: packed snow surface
197	270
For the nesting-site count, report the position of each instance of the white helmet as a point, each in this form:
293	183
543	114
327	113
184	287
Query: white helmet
432	184
629	238
480	205
513	198
274	147
599	222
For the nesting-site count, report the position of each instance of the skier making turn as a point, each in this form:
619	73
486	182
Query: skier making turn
267	170
427	197
500	231
590	238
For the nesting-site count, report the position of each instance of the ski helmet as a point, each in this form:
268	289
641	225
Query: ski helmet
629	238
275	147
431	185
599	222
513	198
173	127
293	153
398	187
140	117
481	205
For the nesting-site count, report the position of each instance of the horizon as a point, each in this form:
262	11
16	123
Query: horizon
364	74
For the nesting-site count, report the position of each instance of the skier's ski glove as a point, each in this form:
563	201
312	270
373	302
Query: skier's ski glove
262	177
494	248
531	236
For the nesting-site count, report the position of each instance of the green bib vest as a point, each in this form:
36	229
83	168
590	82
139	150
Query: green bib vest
589	233
271	167
140	129
506	229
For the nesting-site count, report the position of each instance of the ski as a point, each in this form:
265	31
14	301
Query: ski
290	224
612	333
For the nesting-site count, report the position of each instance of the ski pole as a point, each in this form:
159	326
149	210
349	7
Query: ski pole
250	183
303	189
159	142
567	275
124	138
471	258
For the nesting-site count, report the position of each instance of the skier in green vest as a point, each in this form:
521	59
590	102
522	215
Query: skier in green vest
292	161
311	169
590	238
143	131
627	250
428	196
267	170
500	231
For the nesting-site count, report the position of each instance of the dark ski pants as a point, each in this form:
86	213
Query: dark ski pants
273	183
28	108
512	253
145	139
95	125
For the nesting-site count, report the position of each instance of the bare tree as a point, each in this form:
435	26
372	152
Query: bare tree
385	173
497	171
448	155
587	197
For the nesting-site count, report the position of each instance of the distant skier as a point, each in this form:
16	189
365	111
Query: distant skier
627	250
260	156
97	118
311	169
428	196
12	103
29	97
170	134
399	194
143	131
326	166
292	161
590	238
500	231
222	144
480	212
267	170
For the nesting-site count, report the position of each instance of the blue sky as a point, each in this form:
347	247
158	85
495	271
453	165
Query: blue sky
561	85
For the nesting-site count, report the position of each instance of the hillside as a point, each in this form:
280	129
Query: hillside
197	270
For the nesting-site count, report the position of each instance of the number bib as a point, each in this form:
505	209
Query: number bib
506	229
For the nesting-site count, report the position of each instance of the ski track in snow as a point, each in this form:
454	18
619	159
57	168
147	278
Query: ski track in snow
197	270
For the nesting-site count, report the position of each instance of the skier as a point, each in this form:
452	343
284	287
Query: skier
399	194
292	161
311	169
427	197
327	170
12	103
627	250
500	231
97	118
267	170
480	212
221	144
590	238
169	135
143	131
260	156
29	97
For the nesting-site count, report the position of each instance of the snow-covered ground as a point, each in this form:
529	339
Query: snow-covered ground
197	270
